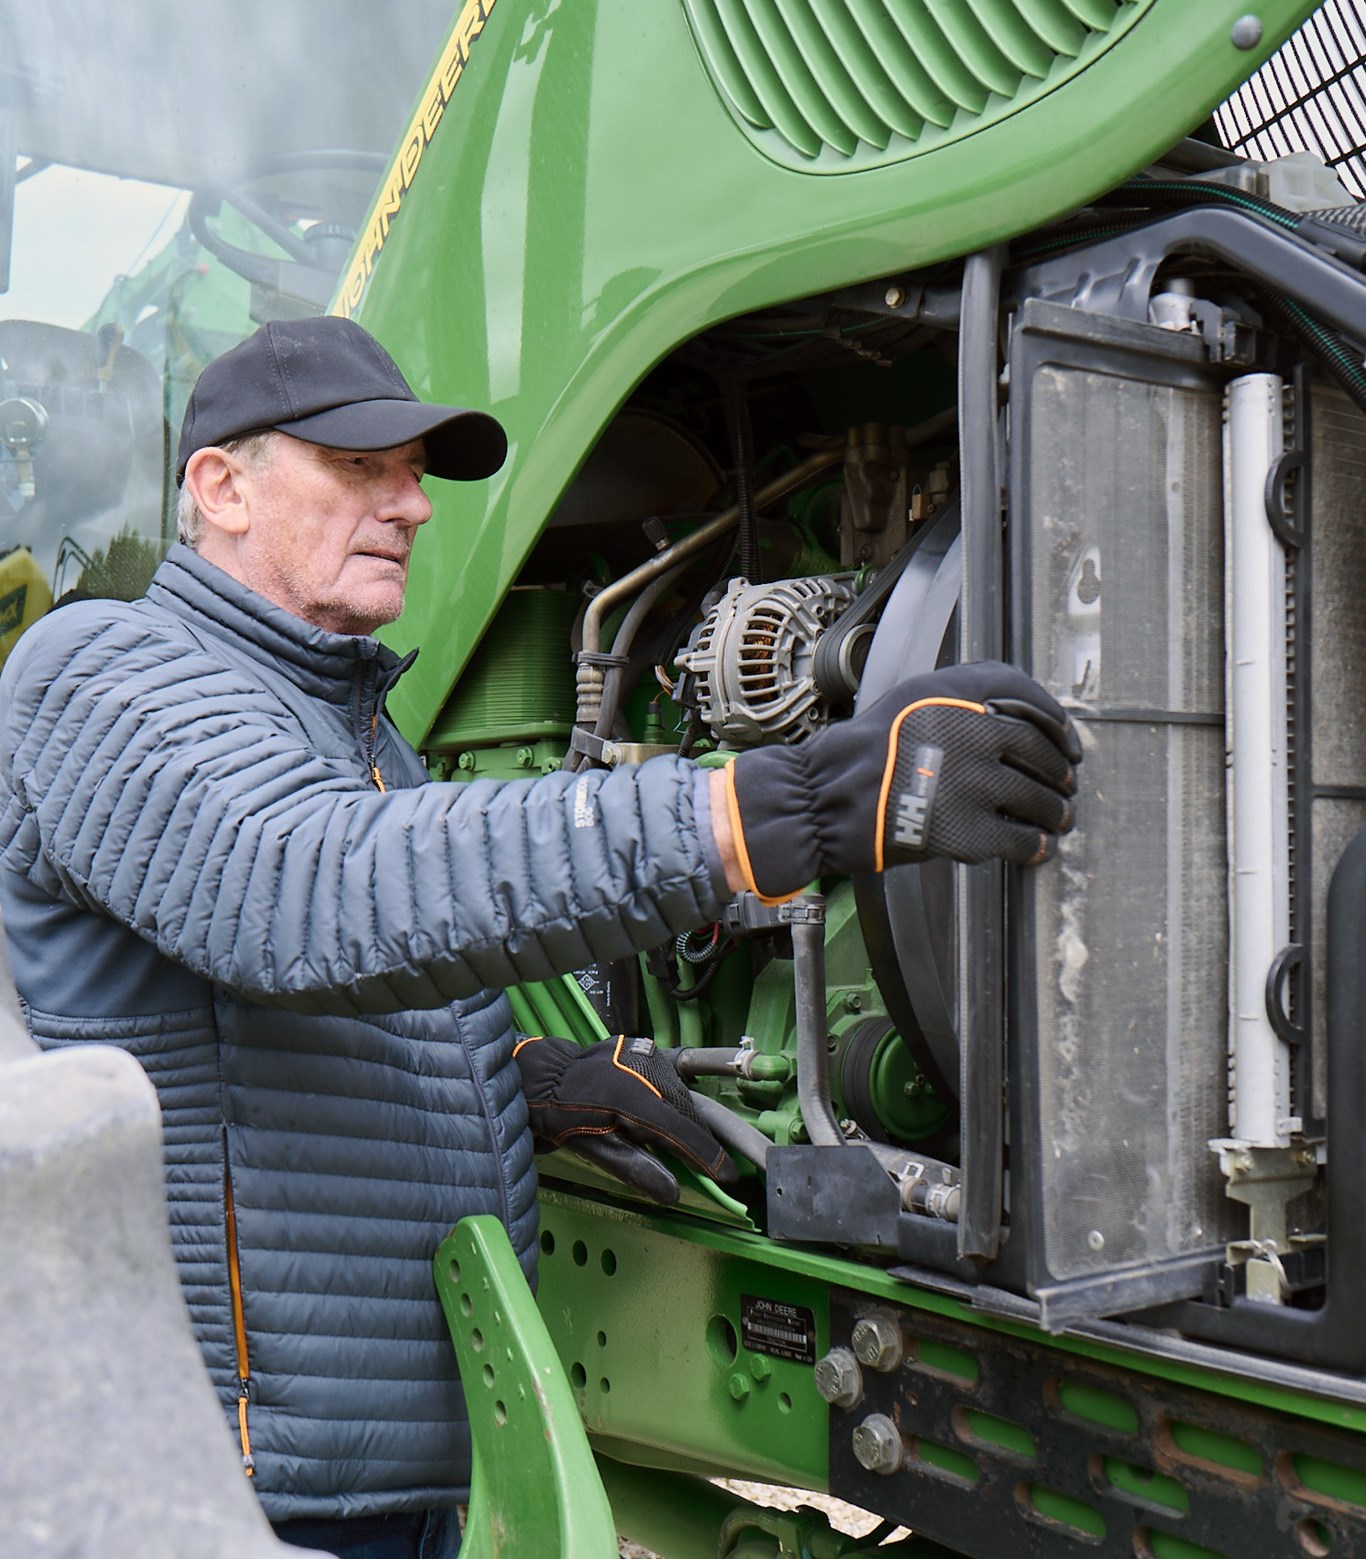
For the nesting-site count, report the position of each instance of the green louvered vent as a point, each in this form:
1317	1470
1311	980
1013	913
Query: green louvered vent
829	86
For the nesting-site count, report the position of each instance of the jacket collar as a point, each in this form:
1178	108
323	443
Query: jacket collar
324	665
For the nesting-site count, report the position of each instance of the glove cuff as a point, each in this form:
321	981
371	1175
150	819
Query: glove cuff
541	1060
770	807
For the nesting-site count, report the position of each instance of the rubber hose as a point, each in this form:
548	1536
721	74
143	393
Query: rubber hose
732	1130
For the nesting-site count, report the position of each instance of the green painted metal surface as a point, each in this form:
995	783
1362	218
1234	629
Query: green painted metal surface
841	86
673	1513
685	1517
568	233
535	1487
673	1291
649	1331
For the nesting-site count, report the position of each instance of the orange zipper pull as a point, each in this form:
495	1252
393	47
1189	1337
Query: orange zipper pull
248	1460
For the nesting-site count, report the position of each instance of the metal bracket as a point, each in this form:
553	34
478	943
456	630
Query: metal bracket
535	1487
1266	1180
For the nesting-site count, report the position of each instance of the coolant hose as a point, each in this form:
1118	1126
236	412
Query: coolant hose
1325	347
733	1131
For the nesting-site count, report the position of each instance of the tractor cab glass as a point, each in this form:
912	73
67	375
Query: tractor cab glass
169	178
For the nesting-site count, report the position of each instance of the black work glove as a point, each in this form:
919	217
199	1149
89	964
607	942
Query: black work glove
612	1101
970	762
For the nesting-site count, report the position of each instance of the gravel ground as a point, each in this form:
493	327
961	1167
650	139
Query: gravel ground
844	1518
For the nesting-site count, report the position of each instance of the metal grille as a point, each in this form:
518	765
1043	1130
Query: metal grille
1310	96
834	83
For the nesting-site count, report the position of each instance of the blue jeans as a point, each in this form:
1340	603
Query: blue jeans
419	1534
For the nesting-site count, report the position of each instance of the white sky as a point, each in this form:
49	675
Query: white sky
73	233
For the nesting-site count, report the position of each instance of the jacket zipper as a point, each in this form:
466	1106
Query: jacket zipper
239	1327
366	677
376	777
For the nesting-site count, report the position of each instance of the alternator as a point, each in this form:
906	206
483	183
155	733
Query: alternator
749	663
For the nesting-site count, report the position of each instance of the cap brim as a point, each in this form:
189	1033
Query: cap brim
462	445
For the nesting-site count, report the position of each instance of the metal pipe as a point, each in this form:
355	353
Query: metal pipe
722	1061
604	688
710	1061
608	597
806	916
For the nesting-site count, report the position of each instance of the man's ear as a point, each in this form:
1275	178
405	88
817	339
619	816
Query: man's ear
214	479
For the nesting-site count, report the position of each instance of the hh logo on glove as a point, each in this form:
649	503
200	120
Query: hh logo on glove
972	762
915	800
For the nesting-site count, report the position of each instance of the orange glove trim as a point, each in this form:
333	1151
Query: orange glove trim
630	1071
737	832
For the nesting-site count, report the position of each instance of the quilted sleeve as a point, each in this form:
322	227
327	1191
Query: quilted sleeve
142	778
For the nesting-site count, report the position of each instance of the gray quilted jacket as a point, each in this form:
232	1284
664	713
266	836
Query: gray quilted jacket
196	865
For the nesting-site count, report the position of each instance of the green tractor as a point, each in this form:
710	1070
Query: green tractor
836	340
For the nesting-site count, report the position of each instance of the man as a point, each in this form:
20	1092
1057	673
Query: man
216	852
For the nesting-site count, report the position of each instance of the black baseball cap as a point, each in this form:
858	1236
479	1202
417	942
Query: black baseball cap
328	381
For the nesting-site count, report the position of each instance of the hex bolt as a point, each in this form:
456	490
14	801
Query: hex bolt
877	1342
838	1378
1247	32
759	1367
739	1386
877	1444
894	297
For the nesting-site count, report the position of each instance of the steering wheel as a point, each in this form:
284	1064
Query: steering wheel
299	248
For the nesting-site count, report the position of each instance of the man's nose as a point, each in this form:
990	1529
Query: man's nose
409	504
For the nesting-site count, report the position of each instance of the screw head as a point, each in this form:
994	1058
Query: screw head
1096	1240
877	1342
838	1378
894	297
1247	32
877	1444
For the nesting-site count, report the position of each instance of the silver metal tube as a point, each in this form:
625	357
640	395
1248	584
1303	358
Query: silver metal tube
709	1061
806	916
608	597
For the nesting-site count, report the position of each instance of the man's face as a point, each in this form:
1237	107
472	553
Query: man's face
331	531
